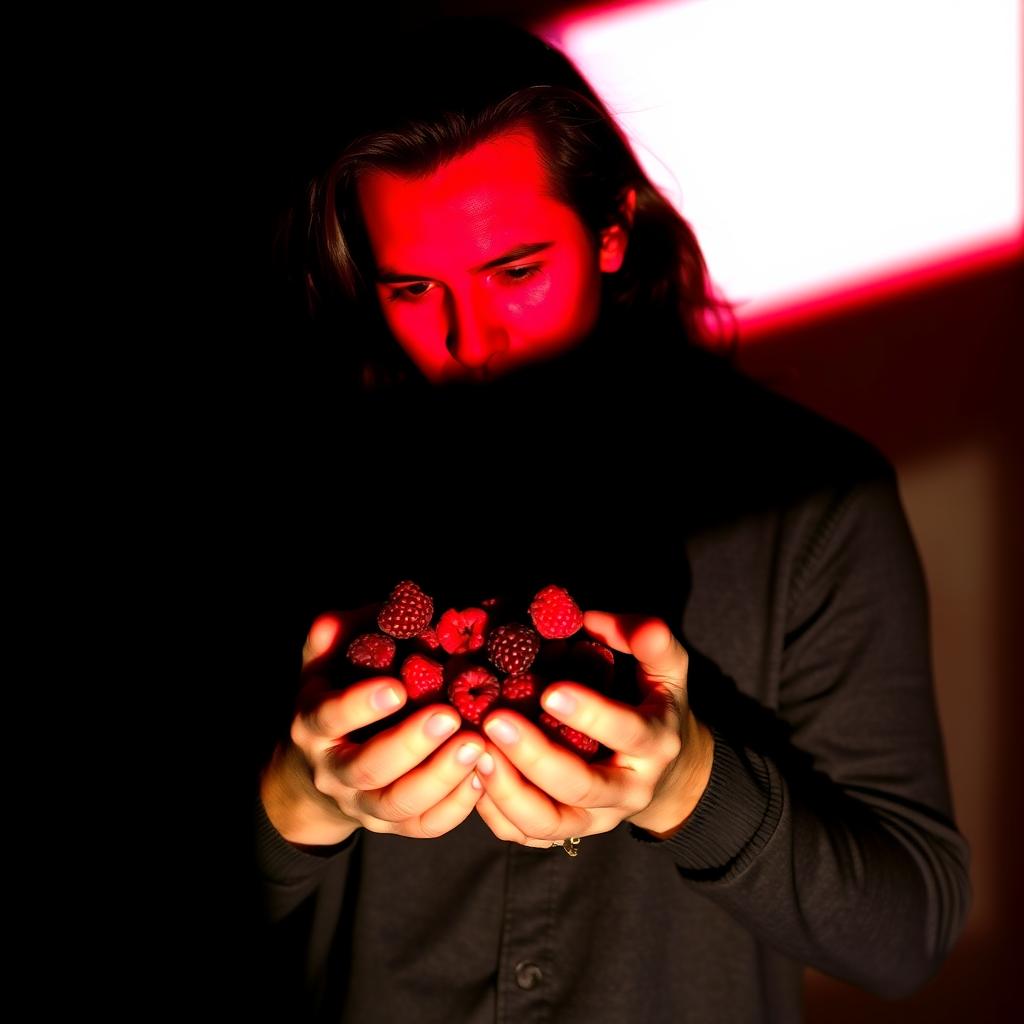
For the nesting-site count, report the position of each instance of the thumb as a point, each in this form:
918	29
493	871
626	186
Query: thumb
323	635
659	653
332	629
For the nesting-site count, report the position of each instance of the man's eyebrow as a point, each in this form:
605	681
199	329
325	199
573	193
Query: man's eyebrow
388	275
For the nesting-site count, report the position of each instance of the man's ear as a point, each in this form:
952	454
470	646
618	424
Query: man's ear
615	239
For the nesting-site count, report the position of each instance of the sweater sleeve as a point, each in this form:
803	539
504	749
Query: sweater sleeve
826	828
303	895
288	874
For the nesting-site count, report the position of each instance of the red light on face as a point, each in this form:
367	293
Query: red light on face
479	270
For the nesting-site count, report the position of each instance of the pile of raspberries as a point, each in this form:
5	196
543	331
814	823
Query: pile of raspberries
465	659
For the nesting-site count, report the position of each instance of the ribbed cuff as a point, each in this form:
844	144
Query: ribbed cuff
284	862
734	818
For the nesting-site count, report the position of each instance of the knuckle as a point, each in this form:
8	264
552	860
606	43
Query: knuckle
433	828
298	732
506	834
325	781
548	832
577	792
634	735
363	775
394	807
499	828
311	721
671	746
636	801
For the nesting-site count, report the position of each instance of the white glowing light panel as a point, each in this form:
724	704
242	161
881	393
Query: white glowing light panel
817	146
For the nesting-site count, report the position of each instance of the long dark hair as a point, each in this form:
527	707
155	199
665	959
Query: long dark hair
439	92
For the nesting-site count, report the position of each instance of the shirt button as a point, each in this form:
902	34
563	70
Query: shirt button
528	974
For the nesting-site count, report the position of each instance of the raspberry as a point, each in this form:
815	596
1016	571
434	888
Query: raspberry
512	648
521	691
423	677
583	745
462	632
372	651
407	611
428	640
555	614
549	722
473	690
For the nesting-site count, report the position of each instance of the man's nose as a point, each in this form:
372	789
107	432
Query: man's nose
474	336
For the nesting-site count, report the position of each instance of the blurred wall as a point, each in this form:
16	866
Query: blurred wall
933	378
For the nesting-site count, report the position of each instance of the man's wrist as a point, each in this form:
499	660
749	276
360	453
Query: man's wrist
669	812
302	815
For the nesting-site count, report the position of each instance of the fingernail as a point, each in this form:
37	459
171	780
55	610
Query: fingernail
440	725
502	731
385	699
560	701
485	764
475	782
468	753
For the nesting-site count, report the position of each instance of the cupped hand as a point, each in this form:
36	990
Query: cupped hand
537	792
414	779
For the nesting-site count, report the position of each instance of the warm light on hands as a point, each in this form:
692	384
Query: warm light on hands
536	792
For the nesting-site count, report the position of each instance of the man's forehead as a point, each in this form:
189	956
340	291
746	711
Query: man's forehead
500	179
493	197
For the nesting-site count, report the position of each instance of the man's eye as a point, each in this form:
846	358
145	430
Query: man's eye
414	292
516	274
408	293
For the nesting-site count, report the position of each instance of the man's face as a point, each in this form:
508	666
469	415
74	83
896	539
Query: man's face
478	270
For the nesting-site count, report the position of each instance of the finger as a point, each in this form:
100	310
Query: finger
660	655
636	732
503	829
391	754
453	810
322	637
560	773
325	716
416	790
524	805
332	629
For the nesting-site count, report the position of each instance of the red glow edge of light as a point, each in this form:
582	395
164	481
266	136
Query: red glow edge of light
875	288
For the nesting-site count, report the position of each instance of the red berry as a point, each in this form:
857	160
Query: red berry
407	611
555	614
428	640
512	648
473	690
549	722
423	677
462	632
583	745
371	650
521	691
